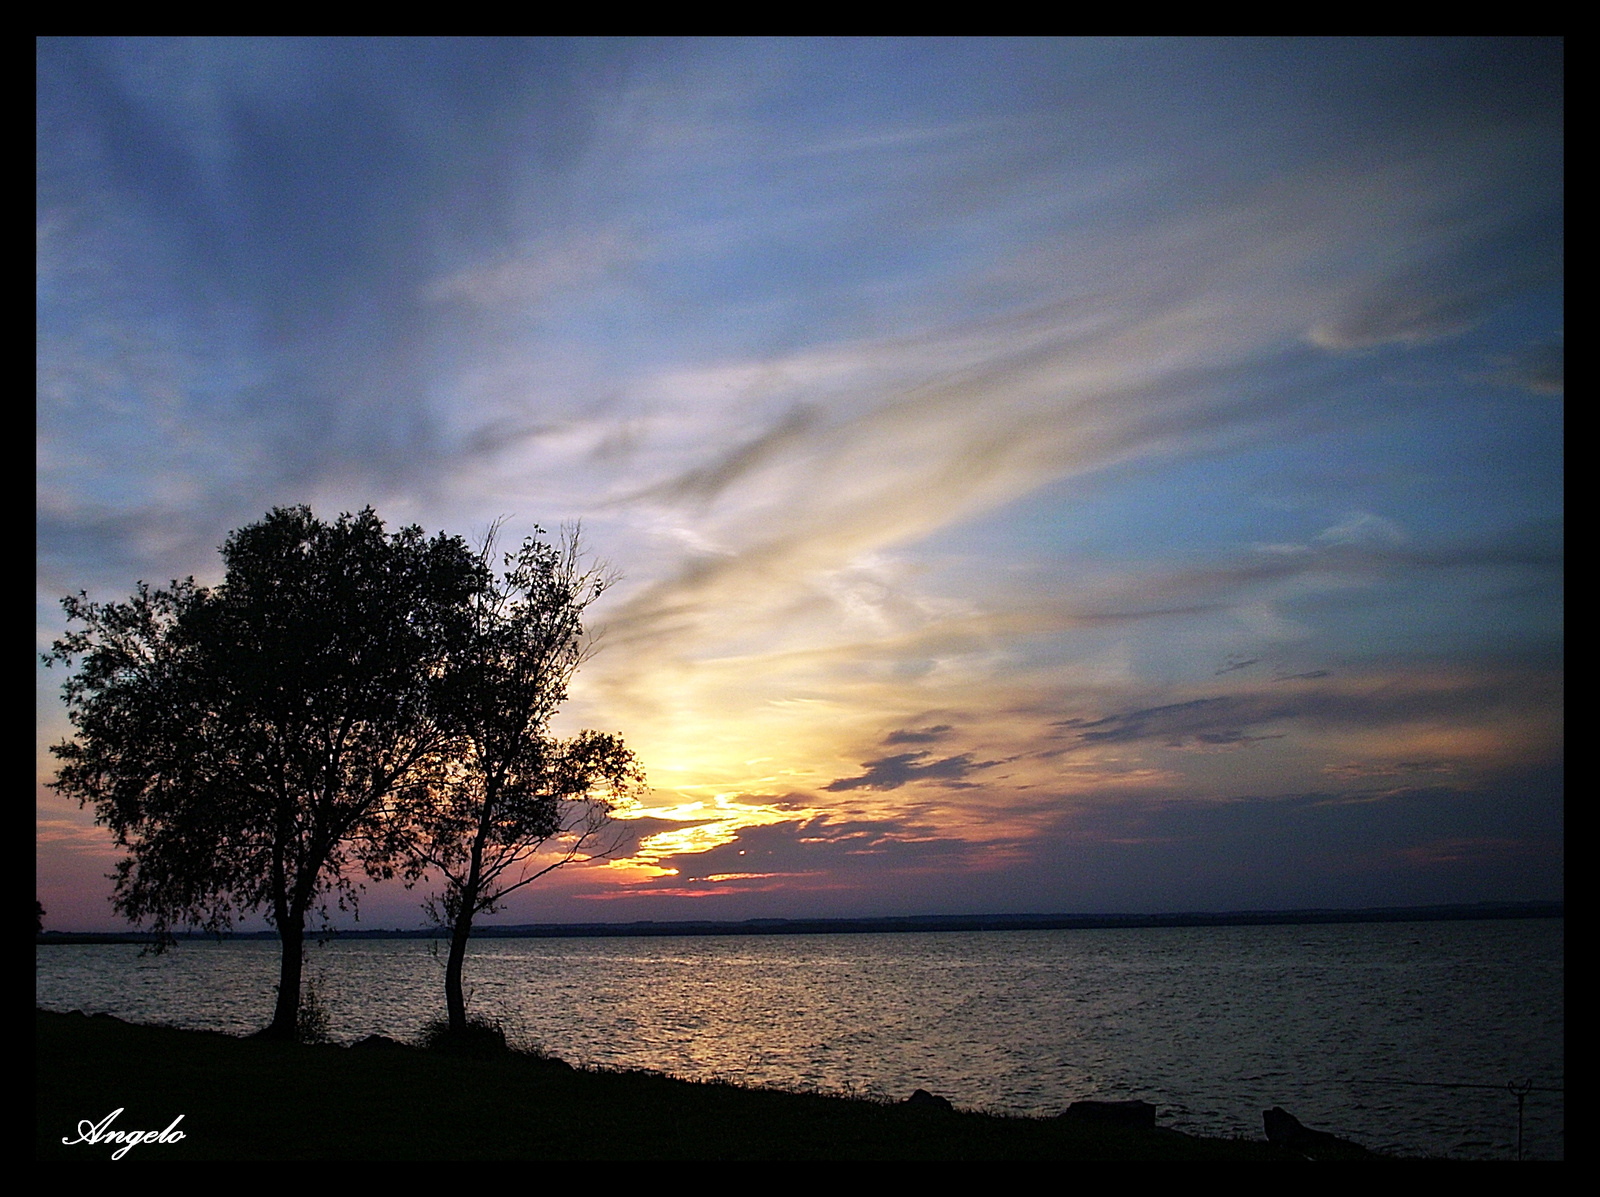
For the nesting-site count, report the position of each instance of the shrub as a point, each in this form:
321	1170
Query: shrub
482	1038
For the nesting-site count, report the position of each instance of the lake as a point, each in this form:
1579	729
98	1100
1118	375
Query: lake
1211	1024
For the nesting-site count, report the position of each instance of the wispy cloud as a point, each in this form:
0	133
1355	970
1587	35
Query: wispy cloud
1010	385
1539	368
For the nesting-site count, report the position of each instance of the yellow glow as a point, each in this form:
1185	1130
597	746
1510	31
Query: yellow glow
684	810
714	824
634	871
743	726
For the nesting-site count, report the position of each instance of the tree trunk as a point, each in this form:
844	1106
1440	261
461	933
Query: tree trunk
454	1000
286	1017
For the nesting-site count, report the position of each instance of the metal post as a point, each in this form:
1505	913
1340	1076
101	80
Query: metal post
1520	1092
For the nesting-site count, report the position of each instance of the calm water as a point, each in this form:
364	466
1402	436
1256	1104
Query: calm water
1212	1024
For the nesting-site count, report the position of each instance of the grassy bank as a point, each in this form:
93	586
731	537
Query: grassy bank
244	1099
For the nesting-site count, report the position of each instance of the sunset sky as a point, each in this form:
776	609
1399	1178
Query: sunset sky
1046	476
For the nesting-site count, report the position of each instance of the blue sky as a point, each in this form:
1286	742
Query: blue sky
1046	475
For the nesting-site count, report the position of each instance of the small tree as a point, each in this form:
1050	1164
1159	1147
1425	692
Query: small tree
508	802
247	744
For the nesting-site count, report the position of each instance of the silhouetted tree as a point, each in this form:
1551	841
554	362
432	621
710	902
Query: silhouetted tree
508	802
38	927
248	744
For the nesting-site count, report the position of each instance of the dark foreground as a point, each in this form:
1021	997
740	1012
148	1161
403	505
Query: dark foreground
246	1099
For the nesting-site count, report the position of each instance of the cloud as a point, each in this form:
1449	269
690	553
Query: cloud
707	482
273	211
1355	769
1407	316
835	859
1364	528
1540	369
1477	851
537	271
72	835
1098	351
1319	848
890	773
1148	852
1383	701
781	344
1172	722
924	735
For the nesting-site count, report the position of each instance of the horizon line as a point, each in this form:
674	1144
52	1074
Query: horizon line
868	924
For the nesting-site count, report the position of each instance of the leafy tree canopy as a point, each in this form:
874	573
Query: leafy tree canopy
508	801
246	744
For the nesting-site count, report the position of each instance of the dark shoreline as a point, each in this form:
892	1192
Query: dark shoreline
249	1099
913	923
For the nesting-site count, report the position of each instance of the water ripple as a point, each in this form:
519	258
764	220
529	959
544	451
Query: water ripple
1212	1024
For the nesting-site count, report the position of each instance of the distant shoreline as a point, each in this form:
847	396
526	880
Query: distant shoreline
911	923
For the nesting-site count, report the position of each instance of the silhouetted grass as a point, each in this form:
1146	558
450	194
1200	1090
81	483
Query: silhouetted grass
481	1039
250	1099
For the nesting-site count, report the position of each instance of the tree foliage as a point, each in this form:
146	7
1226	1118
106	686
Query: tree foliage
345	701
508	801
249	745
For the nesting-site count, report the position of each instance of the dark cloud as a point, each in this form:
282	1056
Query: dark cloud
1233	737
1408	315
1236	663
1231	719
1540	368
1501	840
499	436
824	841
1348	845
1535	546
926	735
707	482
858	863
890	773
1171	722
624	835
